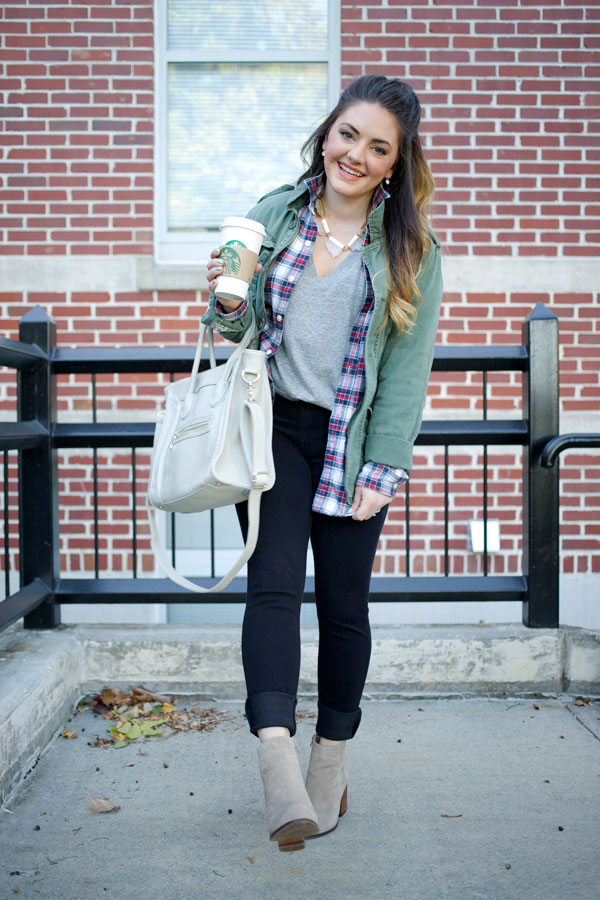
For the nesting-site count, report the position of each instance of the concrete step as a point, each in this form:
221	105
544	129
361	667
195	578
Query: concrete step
43	673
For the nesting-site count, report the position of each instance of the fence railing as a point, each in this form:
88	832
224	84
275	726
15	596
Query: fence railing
38	437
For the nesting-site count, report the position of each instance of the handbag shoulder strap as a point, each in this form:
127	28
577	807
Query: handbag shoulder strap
181	580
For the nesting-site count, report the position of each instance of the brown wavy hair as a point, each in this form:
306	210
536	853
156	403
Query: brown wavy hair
411	187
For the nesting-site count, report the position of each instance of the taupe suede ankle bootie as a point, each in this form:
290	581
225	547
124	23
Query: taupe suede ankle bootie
290	814
327	783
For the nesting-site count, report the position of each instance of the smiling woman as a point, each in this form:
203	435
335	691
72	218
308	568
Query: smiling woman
348	264
355	156
355	162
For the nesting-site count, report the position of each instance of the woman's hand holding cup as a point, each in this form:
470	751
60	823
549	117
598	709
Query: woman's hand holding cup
232	265
215	268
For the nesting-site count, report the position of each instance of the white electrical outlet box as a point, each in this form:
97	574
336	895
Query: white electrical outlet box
475	538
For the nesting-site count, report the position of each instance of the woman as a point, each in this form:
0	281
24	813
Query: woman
346	294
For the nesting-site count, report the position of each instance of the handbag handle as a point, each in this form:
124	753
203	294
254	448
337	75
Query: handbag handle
243	344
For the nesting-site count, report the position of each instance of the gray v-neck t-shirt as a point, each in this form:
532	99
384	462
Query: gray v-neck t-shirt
318	322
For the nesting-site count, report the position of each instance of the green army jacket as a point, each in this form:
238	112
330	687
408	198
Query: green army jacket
397	366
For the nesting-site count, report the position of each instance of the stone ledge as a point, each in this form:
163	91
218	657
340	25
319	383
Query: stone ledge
44	673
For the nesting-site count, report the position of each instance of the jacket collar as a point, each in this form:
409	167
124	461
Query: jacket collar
313	186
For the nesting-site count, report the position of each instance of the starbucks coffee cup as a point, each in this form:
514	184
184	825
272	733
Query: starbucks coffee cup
241	239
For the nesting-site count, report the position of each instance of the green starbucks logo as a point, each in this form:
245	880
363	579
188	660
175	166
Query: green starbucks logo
235	244
231	258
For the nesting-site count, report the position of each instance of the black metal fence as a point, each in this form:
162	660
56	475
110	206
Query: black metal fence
37	436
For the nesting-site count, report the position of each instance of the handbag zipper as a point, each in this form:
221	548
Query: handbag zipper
178	434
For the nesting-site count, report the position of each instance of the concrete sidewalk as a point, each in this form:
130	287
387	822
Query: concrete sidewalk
465	799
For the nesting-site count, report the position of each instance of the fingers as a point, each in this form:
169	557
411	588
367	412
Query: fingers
363	513
366	509
367	503
214	268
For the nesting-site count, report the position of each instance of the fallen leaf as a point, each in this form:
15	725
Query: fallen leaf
112	696
139	715
583	701
134	731
68	734
447	816
101	805
140	693
149	728
251	859
536	706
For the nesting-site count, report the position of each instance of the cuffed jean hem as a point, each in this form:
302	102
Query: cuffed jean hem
271	708
337	726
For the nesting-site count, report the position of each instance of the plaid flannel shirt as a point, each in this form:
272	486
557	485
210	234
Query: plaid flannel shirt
330	497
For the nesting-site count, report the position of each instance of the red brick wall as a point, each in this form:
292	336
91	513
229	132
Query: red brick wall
78	85
510	95
510	90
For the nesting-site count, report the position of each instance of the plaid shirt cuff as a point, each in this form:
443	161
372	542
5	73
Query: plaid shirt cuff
232	316
383	479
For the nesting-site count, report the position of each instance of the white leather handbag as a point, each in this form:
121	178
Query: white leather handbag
212	446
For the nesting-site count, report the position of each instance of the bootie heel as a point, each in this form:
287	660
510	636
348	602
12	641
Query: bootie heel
344	802
290	814
327	784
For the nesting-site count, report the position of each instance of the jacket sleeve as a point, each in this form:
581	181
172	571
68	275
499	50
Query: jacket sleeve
233	326
403	376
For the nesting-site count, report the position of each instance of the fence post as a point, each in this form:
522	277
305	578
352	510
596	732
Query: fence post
38	473
540	485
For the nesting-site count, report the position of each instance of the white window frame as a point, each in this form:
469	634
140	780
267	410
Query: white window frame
193	249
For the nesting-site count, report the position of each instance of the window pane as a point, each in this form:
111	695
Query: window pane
235	132
247	25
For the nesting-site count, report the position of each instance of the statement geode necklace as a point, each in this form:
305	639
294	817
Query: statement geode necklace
332	244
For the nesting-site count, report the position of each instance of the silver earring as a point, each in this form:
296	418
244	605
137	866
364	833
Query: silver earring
387	180
322	153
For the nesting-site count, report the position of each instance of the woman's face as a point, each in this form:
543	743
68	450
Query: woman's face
361	149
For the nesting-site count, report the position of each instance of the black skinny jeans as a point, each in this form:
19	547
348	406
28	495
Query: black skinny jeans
344	550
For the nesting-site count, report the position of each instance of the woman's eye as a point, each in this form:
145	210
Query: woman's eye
381	151
345	134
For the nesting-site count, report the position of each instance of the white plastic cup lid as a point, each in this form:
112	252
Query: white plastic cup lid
241	222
